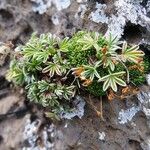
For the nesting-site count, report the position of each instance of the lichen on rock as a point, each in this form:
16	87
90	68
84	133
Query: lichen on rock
99	15
37	140
124	10
78	109
42	6
127	115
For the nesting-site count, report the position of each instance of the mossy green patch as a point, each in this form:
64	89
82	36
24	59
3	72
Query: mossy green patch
96	89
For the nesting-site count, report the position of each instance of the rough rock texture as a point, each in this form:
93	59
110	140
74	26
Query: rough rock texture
126	124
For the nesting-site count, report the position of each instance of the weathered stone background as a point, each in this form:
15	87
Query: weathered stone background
127	123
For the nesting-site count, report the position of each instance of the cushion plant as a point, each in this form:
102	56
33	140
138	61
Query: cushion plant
54	70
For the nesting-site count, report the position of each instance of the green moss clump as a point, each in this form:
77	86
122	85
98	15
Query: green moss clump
76	56
146	64
119	67
101	41
96	89
137	77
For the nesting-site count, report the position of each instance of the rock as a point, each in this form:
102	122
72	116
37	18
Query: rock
55	19
5	49
101	135
42	6
127	115
11	131
8	102
99	15
130	20
78	109
81	11
124	10
146	144
37	139
144	101
81	1
148	79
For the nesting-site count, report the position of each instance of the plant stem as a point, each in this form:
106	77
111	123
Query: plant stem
128	79
101	108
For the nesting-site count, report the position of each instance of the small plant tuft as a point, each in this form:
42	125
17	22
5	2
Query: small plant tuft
53	70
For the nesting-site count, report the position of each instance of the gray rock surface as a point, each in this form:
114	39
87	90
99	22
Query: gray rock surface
126	124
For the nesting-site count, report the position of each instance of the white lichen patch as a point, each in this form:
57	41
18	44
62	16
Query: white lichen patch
148	79
99	15
101	135
41	6
78	110
18	48
4	51
127	115
127	10
32	134
133	124
116	26
81	1
62	4
148	6
146	144
81	11
144	101
66	125
55	19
